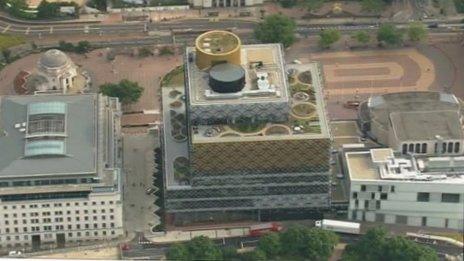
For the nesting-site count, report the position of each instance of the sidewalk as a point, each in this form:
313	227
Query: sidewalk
178	236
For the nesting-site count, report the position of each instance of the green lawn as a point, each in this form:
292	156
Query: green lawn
7	41
174	78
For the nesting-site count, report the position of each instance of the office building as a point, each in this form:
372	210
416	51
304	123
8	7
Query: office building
60	179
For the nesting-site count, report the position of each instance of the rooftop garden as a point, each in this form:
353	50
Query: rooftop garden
219	42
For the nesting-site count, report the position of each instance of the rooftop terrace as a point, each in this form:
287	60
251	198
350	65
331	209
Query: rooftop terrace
256	60
306	120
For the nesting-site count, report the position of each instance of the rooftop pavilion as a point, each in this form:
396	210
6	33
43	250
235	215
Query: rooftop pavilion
382	164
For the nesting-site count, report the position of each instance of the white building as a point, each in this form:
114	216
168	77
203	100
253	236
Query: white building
224	3
60	177
427	191
58	71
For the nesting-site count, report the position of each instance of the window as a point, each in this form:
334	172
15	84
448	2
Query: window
383	196
424	221
423	197
418	148
424	148
450	197
372	195
401	219
379	188
436	148
450	147
363	187
366	204
456	147
411	147
443	147
405	148
446	223
377	204
356	203
355	195
392	189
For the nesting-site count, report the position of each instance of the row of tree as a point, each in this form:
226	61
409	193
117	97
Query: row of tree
278	28
373	6
45	10
302	243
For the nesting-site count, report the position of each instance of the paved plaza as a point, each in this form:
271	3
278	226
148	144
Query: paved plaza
146	71
375	72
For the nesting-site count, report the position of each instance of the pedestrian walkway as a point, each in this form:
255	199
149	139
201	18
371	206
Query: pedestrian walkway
179	235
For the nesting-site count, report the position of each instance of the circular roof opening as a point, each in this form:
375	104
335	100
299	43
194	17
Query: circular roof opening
227	78
53	58
217	42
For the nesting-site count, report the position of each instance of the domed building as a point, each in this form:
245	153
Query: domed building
58	70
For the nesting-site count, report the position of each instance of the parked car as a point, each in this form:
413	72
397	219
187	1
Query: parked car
148	191
351	104
15	253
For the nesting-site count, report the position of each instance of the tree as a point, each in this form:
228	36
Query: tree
417	32
165	50
389	35
177	252
6	55
293	240
48	10
328	37
203	248
376	245
276	28
287	3
65	46
270	244
313	5
375	6
83	47
257	255
99	4
361	37
319	244
229	253
125	90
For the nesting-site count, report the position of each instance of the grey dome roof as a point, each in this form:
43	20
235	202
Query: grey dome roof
53	58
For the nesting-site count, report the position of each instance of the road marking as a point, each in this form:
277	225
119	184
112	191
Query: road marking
27	30
6	28
51	29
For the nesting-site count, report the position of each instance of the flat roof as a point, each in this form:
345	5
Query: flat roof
361	166
425	125
416	115
80	142
272	63
318	124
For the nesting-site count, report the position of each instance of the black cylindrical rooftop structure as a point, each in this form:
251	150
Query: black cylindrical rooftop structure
226	78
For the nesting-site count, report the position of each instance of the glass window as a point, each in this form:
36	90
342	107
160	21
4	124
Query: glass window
456	147
363	187
424	148
411	147
450	197
405	148
450	147
423	197
418	148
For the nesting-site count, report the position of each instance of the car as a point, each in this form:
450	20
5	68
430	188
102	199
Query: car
433	25
332	162
15	253
334	183
296	61
340	176
148	191
351	104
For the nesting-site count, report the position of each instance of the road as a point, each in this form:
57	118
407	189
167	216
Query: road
44	29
